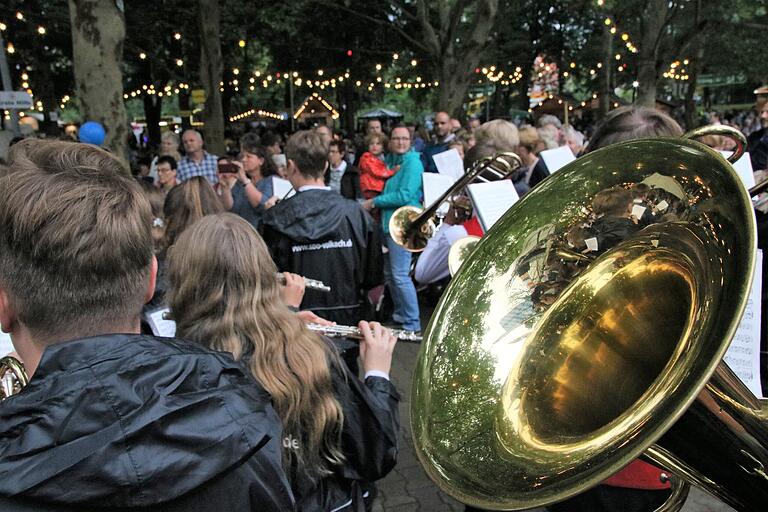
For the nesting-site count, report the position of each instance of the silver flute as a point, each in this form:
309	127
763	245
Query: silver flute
309	283
346	331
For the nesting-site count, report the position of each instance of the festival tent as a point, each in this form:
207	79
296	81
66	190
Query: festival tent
381	113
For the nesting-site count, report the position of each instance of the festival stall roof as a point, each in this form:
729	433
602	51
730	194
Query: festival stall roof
554	104
381	113
257	114
315	107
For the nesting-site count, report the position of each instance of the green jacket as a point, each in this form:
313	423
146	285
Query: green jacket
404	188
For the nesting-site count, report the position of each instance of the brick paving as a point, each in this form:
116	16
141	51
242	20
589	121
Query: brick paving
408	489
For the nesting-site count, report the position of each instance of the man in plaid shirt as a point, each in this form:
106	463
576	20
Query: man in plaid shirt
196	162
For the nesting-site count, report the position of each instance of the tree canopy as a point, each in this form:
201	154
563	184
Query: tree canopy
415	55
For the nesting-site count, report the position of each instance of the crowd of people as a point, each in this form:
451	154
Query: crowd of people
247	407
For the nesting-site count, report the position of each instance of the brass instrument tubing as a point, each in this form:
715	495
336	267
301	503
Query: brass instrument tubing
470	175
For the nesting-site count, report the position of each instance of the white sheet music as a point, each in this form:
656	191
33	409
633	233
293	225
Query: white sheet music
743	356
434	186
282	188
638	211
159	325
557	158
449	163
6	346
743	167
492	200
280	160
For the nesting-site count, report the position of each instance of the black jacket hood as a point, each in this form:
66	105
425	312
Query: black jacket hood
317	216
130	420
321	235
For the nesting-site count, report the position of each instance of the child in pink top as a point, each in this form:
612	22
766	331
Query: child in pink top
373	171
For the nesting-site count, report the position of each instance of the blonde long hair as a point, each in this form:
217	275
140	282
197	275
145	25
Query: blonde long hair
224	294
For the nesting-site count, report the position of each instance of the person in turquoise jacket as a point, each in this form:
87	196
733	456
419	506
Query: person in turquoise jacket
404	188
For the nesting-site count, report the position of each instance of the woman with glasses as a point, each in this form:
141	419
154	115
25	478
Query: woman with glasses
404	188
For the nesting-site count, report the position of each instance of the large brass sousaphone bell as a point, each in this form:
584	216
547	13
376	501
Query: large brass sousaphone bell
540	376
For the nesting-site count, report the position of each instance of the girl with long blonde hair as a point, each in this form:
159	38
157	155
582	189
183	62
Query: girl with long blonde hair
338	432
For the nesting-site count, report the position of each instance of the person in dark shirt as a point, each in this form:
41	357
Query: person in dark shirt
340	432
321	235
342	177
613	208
757	142
112	419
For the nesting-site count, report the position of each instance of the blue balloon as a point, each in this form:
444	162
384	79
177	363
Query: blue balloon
92	133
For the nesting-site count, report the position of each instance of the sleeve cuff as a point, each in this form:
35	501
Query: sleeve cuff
376	373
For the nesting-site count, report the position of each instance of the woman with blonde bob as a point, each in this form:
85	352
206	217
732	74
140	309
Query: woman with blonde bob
338	431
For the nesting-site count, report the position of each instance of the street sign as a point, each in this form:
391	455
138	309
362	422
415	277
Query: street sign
15	100
711	80
198	96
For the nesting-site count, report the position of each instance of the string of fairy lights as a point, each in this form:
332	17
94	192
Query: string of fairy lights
253	111
322	79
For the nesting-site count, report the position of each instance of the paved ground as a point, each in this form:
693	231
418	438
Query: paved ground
408	488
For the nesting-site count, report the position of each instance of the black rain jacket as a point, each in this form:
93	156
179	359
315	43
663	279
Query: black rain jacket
133	422
368	441
321	235
609	231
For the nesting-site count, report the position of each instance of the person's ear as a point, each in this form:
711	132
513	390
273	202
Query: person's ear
8	316
150	292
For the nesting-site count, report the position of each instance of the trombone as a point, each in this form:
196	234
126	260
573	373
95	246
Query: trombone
411	227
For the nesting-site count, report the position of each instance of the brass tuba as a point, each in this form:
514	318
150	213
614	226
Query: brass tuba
541	374
13	377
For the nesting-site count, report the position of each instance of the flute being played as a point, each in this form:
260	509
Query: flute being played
345	331
311	284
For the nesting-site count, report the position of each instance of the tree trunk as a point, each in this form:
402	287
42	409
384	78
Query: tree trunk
605	90
454	83
698	65
185	108
348	123
652	26
210	75
44	91
524	84
153	106
455	62
98	32
497	102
